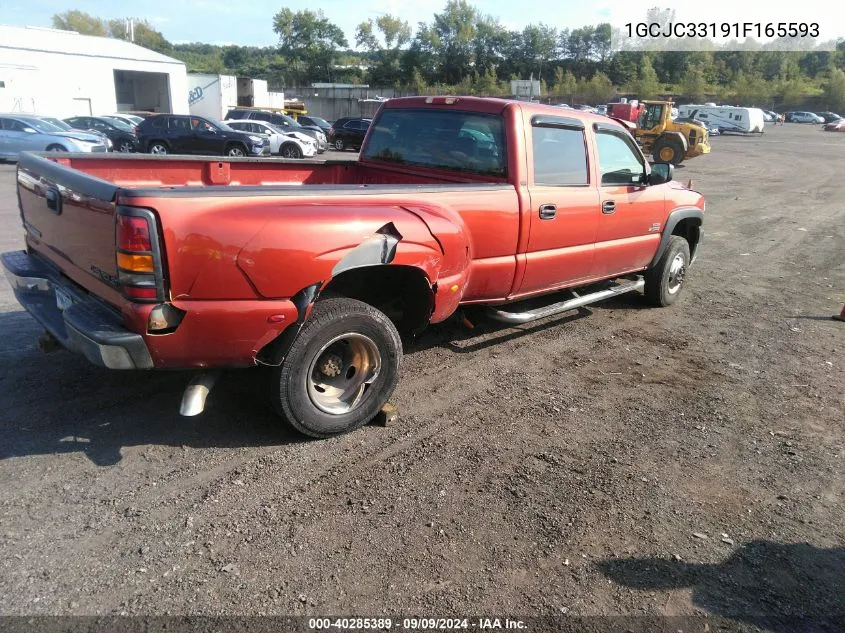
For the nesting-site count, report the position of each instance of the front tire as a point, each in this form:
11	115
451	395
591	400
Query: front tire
668	151
339	145
289	150
665	280
340	370
125	147
236	151
56	148
158	147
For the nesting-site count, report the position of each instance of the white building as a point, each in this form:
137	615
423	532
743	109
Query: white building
212	96
63	73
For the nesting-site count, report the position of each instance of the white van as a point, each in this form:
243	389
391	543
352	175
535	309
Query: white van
726	118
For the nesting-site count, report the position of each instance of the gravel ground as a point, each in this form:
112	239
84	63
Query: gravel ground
620	460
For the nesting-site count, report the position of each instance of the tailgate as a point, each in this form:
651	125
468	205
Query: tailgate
69	218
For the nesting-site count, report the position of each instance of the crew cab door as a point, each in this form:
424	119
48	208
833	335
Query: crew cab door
564	205
632	213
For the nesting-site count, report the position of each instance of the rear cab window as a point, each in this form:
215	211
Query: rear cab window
559	152
466	142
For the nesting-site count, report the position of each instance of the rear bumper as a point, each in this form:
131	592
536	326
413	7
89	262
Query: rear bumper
87	326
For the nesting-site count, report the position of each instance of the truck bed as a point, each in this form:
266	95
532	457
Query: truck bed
148	171
213	212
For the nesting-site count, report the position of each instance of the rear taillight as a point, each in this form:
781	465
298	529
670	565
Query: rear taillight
138	256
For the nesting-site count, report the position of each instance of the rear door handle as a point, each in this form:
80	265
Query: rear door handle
548	211
608	207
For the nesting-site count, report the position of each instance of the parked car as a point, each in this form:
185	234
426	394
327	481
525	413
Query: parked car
314	283
805	117
65	128
769	116
584	108
314	121
121	134
22	133
282	121
285	144
835	126
189	134
601	109
348	132
828	116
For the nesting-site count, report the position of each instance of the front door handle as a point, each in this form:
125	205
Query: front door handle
608	207
548	211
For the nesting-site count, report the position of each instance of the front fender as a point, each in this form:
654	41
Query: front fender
694	214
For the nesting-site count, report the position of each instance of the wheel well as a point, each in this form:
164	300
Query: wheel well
232	144
401	292
288	144
152	142
56	145
690	230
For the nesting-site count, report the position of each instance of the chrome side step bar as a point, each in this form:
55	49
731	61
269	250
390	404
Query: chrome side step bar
564	306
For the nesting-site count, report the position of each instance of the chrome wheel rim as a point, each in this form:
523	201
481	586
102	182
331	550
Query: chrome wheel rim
125	148
677	272
338	144
236	151
158	149
341	372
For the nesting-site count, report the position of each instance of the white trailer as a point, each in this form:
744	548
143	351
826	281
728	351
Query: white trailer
726	118
212	96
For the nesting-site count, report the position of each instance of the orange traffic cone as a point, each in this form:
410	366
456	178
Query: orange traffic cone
841	316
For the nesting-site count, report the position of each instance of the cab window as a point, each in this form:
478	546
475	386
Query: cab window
560	156
651	116
619	162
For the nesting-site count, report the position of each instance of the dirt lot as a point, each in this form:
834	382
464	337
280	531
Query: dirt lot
619	461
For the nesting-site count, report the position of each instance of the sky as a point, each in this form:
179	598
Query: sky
249	22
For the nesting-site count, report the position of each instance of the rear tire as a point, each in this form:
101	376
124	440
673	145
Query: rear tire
340	370
159	147
339	145
289	150
236	151
665	280
668	151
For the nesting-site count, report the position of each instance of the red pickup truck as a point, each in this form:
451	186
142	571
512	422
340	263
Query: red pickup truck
313	268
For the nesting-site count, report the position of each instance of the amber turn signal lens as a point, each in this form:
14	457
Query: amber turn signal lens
135	263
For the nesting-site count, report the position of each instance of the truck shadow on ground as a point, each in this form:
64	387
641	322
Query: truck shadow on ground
780	588
470	330
58	402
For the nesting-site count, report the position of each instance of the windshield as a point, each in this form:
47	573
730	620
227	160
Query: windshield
121	125
319	122
42	126
453	140
57	123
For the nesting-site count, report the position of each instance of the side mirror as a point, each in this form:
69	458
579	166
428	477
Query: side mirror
660	173
30	130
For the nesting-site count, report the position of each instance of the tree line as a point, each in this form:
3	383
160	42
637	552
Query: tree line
464	51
